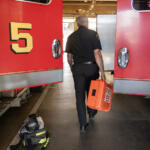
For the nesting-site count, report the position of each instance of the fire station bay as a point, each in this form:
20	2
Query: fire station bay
74	74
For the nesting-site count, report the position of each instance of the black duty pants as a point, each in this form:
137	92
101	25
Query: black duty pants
83	74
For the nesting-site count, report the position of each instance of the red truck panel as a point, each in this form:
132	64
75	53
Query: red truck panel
133	33
43	24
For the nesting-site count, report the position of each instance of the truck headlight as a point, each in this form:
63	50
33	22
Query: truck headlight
56	48
123	58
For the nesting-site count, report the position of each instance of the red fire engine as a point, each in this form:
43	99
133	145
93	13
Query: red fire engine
31	53
31	39
125	46
132	55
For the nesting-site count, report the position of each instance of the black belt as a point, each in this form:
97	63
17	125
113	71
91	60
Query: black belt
87	62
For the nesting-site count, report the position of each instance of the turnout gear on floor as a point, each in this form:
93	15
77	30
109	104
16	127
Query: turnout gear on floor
33	135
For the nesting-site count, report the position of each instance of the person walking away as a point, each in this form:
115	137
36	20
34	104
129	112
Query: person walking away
85	60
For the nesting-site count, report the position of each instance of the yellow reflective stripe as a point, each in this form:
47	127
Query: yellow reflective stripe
42	141
40	133
47	141
24	144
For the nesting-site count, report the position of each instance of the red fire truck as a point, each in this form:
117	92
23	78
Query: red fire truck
132	55
126	46
31	41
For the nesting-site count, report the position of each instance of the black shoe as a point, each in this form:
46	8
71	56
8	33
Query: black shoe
84	128
92	115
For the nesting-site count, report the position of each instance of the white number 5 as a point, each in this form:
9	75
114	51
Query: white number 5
15	36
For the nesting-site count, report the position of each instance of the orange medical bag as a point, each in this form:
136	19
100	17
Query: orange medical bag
100	95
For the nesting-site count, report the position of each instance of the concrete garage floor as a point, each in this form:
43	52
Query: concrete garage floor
126	127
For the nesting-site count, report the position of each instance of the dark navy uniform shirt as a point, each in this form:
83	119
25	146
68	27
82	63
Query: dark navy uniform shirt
82	43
